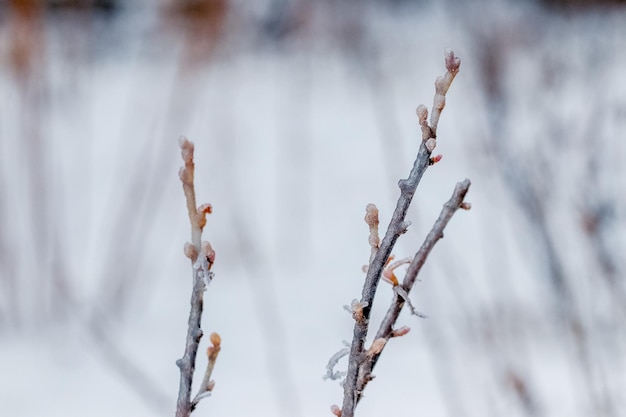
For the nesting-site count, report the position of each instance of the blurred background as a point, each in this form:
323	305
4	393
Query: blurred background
302	112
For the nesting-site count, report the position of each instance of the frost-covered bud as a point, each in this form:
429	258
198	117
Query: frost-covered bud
335	410
190	251
431	144
371	215
452	62
401	331
356	308
422	114
371	218
186	149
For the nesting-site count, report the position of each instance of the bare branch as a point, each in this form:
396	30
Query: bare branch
207	384
394	230
442	84
202	256
401	297
356	379
187	363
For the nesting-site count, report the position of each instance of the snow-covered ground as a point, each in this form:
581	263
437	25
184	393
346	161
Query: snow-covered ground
293	138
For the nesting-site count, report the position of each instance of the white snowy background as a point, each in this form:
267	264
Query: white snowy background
302	113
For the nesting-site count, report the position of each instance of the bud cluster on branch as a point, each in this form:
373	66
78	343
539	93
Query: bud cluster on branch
362	360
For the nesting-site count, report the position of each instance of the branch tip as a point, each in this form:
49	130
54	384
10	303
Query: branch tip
186	149
371	215
371	218
453	63
215	339
208	384
362	362
422	114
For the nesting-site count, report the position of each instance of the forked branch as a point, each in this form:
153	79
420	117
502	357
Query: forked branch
386	330
358	375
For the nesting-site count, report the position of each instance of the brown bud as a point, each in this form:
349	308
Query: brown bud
190	251
215	339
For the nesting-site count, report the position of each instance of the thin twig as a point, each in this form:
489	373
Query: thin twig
386	327
332	362
397	226
207	383
202	257
187	364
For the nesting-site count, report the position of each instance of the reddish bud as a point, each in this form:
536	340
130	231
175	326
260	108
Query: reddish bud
435	159
401	331
207	250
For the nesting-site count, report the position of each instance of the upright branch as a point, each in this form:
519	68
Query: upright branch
197	216
357	377
386	330
371	218
202	257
